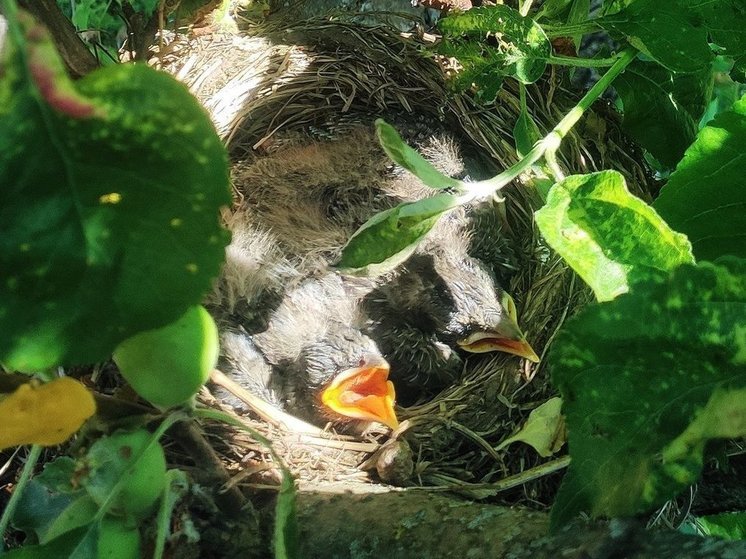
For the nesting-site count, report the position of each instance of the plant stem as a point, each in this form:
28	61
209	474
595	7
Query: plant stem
582	62
525	7
28	469
571	29
551	141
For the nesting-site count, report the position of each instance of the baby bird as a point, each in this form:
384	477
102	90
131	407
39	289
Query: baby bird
441	300
295	341
314	196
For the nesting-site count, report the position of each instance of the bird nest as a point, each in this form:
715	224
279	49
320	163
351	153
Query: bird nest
272	79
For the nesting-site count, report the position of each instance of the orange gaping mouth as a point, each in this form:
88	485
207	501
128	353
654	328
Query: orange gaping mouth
363	393
483	342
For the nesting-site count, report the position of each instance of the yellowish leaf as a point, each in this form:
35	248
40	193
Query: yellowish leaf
46	414
544	430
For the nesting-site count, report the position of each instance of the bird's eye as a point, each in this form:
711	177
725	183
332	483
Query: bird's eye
361	362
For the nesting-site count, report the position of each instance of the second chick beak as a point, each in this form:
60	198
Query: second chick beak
506	337
483	342
363	392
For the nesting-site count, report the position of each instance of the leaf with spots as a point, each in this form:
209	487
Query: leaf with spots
491	43
109	209
673	35
609	236
647	380
662	109
705	197
391	236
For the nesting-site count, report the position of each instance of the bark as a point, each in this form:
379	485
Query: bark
418	524
75	54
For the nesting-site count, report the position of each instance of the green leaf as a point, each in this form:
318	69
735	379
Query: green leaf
705	197
79	513
77	543
46	497
726	21
729	525
667	32
126	473
646	379
525	132
608	236
544	430
521	51
390	237
410	159
110	205
661	110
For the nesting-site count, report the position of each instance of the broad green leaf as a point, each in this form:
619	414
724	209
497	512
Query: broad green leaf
109	208
79	513
46	496
45	414
521	48
705	197
108	537
645	380
390	237
481	69
729	525
544	430
665	31
726	21
608	236
70	544
126	472
661	109
410	159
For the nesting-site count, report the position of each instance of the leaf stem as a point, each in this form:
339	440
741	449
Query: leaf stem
28	469
582	62
552	141
570	30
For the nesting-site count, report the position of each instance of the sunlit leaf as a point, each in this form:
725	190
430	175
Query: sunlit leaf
46	414
109	208
492	42
608	236
705	197
390	237
126	471
544	430
729	525
647	380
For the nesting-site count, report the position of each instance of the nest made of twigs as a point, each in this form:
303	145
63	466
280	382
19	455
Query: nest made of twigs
280	77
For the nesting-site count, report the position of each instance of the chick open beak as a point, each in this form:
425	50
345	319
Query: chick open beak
483	342
507	337
363	393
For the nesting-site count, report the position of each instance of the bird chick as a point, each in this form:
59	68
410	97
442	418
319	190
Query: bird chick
314	196
442	300
295	341
323	364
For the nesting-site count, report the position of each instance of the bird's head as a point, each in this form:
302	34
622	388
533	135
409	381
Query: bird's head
348	378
